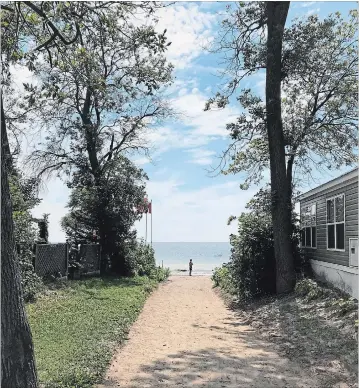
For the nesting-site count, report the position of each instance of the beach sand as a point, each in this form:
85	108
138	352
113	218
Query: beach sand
187	337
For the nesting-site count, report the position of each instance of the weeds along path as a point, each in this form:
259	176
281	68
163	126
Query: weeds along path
186	337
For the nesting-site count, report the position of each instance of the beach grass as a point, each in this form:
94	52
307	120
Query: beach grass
75	329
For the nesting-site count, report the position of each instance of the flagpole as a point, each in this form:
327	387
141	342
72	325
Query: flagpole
146	229
151	221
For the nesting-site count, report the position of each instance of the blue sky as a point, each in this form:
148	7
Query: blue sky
188	204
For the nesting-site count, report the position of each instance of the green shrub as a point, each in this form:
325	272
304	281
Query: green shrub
344	306
252	262
305	286
311	290
251	270
160	274
30	282
339	302
222	278
140	260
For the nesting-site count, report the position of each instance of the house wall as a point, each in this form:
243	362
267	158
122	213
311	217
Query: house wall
350	189
333	266
340	276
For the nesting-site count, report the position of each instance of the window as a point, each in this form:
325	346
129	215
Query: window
309	226
336	223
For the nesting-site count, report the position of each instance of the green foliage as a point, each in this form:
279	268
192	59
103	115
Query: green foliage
252	262
221	278
76	329
109	208
141	261
319	81
251	272
44	229
339	302
23	197
107	90
31	284
162	274
310	289
144	259
344	306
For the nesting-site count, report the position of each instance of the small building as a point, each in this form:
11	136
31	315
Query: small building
329	231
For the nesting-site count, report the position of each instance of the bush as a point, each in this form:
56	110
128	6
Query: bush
252	262
251	270
145	259
30	282
338	301
159	274
140	260
222	278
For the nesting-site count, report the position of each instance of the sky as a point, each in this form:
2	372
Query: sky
189	203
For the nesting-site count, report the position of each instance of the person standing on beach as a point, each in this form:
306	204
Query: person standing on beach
190	267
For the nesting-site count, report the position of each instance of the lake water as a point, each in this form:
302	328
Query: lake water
205	256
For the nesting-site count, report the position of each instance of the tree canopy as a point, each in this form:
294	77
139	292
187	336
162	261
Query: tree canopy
102	92
319	95
109	208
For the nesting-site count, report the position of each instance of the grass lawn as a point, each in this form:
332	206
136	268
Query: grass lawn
75	329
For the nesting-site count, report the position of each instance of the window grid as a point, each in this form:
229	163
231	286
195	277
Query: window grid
311	213
335	223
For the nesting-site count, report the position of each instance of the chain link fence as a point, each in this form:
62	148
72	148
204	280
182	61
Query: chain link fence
53	259
90	256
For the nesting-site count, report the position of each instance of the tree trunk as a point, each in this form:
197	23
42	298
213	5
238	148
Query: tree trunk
17	353
285	275
290	184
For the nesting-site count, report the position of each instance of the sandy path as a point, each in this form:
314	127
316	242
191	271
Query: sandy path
186	337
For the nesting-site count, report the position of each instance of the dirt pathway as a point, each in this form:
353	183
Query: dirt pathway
186	337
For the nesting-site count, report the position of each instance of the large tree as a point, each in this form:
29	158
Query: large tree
276	13
27	29
319	101
122	191
255	42
100	95
318	80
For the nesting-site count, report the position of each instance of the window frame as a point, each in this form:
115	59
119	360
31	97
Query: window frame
334	223
311	226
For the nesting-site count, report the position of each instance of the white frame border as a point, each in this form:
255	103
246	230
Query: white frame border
335	223
311	226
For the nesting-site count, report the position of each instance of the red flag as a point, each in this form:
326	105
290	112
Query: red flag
143	208
150	208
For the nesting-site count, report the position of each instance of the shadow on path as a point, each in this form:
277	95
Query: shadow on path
257	366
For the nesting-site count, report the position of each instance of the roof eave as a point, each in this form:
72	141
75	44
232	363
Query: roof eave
325	186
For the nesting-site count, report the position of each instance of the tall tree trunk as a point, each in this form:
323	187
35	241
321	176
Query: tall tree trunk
18	368
290	184
285	275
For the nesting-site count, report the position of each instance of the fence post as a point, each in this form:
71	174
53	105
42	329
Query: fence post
67	259
36	259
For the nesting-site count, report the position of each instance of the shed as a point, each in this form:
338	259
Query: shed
329	231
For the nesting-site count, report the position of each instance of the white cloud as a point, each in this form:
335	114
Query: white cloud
166	138
194	215
188	28
210	123
201	156
198	127
312	12
308	3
